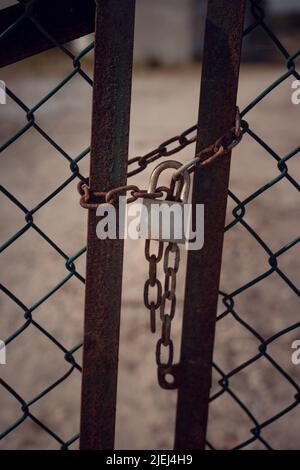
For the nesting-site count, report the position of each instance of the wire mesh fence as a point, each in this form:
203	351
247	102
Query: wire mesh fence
272	257
69	260
224	376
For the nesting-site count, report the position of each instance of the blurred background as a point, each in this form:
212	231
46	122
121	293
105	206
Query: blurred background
166	83
171	32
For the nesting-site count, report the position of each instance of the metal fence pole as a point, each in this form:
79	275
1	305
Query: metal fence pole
221	61
109	150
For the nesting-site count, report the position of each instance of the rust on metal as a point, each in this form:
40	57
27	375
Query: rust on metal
221	61
222	147
88	200
114	33
164	299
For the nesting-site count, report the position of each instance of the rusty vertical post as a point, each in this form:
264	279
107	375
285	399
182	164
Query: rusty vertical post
221	62
114	31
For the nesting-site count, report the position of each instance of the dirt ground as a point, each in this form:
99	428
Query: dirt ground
164	103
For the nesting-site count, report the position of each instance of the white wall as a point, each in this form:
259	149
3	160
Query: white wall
164	30
7	3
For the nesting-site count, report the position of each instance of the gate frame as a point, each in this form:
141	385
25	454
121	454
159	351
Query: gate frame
109	154
114	34
217	110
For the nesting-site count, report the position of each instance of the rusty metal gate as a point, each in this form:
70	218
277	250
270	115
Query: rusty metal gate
32	26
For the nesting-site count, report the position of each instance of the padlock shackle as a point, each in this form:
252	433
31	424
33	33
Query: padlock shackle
184	193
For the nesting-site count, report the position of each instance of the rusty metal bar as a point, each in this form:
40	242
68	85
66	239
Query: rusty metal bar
109	151
69	20
221	61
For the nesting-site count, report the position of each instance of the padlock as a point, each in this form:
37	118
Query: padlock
165	220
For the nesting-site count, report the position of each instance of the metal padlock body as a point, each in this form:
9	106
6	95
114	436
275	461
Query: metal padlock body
164	220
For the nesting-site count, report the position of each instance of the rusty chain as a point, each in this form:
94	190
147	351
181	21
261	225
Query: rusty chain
220	148
152	281
92	199
163	150
166	313
159	303
170	296
158	300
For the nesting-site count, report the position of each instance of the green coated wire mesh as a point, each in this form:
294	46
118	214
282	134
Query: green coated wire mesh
239	221
29	224
257	426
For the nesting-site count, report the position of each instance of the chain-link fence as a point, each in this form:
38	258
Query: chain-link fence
272	253
224	376
29	213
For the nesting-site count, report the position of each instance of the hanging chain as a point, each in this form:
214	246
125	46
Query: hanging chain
152	281
167	313
164	301
155	298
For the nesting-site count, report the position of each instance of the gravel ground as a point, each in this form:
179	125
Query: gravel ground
164	103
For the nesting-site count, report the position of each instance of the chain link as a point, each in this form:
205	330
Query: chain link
152	281
154	297
221	147
91	199
170	296
170	270
163	150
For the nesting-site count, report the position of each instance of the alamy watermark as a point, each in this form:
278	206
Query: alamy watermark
2	92
153	219
296	354
2	353
296	94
